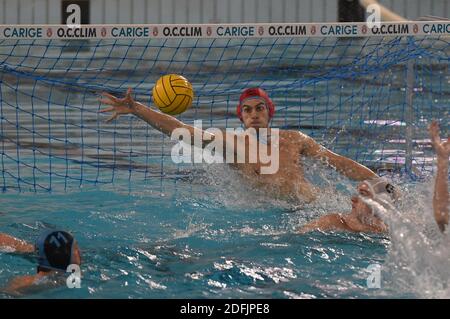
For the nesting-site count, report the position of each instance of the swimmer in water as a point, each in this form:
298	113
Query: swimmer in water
255	110
56	250
362	217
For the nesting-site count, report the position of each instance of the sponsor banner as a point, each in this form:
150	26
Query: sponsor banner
361	29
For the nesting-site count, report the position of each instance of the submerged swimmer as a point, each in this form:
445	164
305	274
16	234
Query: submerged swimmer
363	217
56	250
255	110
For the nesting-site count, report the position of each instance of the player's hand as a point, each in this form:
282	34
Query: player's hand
118	106
442	148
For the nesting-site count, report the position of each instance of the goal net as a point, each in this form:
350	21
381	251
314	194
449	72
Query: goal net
365	93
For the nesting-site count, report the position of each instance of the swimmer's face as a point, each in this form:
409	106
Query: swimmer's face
255	113
358	205
76	257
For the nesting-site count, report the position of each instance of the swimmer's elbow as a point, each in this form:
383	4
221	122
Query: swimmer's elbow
304	229
324	223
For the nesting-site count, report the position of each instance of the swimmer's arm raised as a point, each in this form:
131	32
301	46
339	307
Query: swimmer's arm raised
160	121
19	246
344	165
441	195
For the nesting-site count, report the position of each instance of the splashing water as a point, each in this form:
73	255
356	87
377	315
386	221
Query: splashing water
214	238
418	259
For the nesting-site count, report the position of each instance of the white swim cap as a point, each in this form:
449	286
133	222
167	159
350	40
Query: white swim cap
381	187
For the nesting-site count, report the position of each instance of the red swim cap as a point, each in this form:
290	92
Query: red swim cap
255	92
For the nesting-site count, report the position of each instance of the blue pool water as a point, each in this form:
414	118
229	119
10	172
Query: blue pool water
214	241
152	229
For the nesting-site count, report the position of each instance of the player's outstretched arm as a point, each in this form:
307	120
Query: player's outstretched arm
19	246
162	122
342	164
441	196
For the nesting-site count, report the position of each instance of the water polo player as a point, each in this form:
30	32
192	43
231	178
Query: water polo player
363	217
55	249
255	110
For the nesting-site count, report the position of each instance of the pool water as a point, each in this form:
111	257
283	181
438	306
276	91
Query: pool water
216	241
148	228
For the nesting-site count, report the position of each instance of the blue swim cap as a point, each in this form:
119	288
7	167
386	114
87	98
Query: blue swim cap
55	249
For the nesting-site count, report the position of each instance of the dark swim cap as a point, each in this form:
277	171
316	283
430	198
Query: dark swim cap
55	249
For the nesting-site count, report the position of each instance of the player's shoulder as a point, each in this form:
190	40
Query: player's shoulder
295	135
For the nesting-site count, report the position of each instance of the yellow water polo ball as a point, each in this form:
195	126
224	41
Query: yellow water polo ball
173	94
